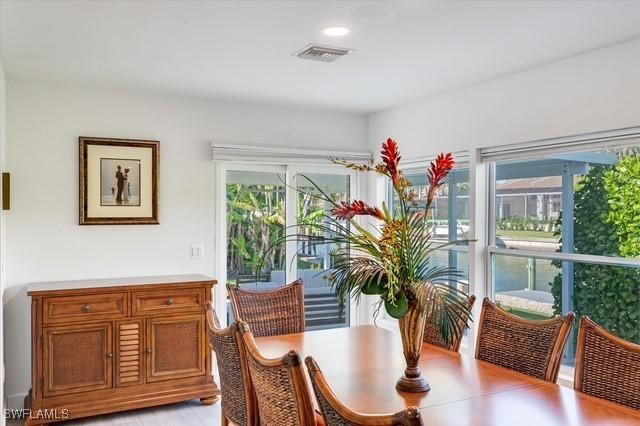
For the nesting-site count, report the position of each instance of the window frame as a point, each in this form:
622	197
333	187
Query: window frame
532	152
541	254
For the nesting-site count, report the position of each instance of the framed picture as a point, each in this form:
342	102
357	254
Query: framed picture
118	181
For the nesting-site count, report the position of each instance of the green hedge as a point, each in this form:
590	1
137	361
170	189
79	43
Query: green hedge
623	189
610	295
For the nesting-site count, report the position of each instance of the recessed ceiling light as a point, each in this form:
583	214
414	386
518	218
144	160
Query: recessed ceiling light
336	31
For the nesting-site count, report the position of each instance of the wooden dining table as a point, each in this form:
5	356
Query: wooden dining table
362	365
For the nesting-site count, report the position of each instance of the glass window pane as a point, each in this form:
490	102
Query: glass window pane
523	285
454	259
449	214
601	197
527	207
255	221
532	288
606	205
314	261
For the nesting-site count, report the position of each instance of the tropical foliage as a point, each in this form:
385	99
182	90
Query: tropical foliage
609	295
622	183
256	222
393	261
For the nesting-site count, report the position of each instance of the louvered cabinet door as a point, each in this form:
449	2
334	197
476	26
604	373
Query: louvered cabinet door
129	359
77	358
175	347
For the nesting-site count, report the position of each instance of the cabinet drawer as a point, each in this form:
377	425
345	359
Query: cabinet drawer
167	301
84	308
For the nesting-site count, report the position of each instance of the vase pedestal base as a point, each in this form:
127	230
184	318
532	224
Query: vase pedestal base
412	333
413	384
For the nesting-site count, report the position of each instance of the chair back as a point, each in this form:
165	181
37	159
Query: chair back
270	312
432	334
607	366
280	384
238	403
529	347
338	414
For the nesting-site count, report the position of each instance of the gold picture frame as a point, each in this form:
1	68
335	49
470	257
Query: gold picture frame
118	181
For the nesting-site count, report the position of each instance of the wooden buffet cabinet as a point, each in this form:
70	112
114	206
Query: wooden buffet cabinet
101	346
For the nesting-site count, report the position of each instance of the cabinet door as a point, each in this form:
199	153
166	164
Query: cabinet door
77	358
175	347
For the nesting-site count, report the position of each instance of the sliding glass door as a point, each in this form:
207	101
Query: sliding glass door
263	204
315	197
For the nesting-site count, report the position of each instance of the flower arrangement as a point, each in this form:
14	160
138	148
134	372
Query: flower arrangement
393	261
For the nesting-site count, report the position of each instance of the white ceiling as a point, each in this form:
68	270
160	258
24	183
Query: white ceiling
242	50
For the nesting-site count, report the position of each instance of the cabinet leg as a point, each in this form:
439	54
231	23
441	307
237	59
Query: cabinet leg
209	400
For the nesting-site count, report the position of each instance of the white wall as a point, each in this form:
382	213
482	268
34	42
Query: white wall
44	241
591	92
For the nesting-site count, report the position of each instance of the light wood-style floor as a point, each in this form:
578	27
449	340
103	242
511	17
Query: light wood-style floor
190	413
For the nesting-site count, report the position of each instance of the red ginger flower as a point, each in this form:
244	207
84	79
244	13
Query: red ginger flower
440	169
391	158
437	172
356	208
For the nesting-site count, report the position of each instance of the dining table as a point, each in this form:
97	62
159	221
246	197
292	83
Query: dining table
362	364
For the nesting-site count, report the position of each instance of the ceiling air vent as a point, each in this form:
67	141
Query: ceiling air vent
316	52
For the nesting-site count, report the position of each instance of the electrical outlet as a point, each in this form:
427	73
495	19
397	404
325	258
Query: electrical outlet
197	251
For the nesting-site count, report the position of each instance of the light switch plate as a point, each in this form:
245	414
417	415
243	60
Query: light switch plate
197	251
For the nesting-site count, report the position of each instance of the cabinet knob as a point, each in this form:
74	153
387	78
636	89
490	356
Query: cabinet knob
171	302
109	355
86	308
148	351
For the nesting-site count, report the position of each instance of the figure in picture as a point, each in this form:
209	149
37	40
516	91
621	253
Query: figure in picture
126	191
120	183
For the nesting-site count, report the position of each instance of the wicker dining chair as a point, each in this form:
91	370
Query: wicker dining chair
238	401
336	413
281	386
270	312
432	334
607	366
530	347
